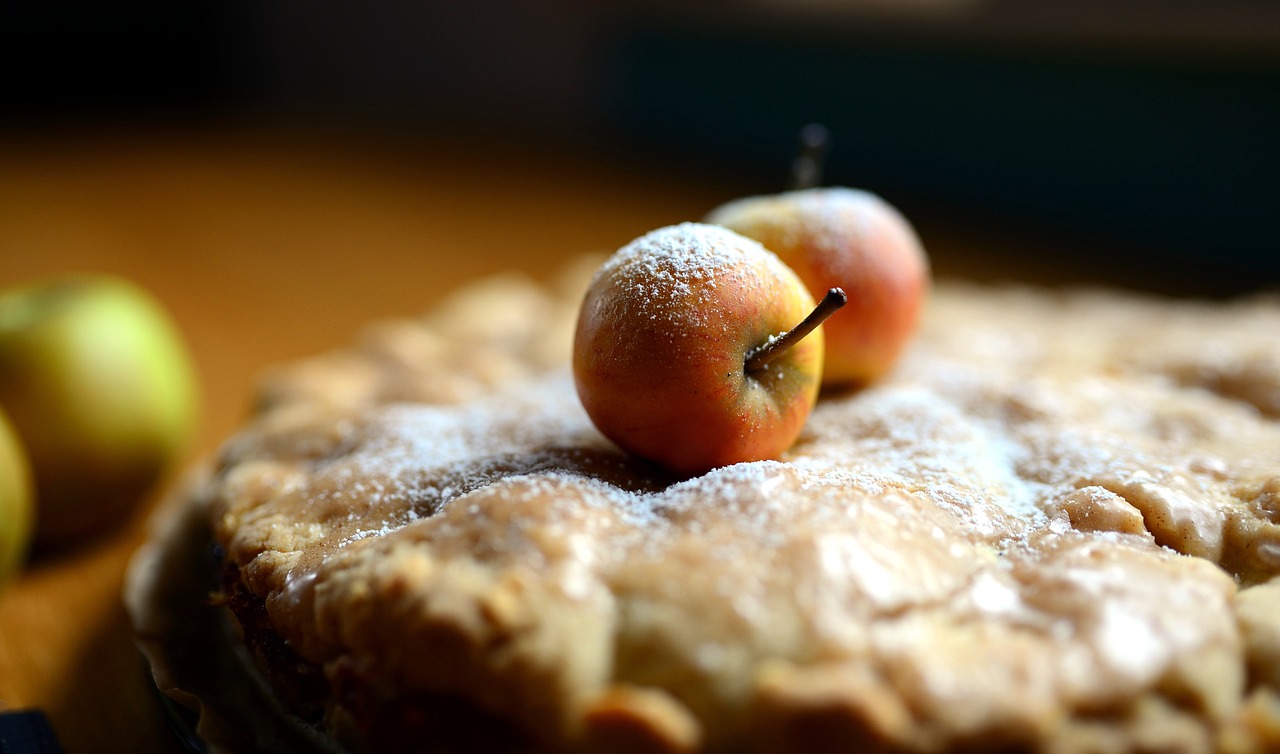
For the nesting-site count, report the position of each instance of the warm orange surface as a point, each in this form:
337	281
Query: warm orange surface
265	247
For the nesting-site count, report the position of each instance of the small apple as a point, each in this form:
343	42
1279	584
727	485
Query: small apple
17	507
685	355
101	391
855	240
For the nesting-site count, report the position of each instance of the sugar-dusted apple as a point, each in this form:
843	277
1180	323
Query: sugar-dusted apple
697	348
853	239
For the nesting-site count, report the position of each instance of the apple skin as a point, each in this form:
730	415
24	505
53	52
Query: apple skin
661	344
853	239
100	388
17	505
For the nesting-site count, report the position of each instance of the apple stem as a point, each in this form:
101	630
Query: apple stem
760	357
811	154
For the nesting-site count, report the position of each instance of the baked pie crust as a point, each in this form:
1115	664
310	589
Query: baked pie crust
1055	527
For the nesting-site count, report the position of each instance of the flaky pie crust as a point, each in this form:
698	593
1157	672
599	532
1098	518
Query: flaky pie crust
1055	527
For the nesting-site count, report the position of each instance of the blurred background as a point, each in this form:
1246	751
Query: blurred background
1134	140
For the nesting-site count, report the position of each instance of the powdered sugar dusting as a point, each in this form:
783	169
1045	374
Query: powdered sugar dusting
1039	486
680	253
827	223
661	269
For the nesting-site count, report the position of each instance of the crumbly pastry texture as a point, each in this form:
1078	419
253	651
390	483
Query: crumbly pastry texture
1055	527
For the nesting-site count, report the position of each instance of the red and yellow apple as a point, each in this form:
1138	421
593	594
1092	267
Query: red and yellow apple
17	507
676	354
855	240
100	390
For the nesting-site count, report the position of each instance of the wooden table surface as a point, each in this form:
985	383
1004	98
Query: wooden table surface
267	245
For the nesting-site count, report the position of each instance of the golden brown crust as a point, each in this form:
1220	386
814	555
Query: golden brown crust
1053	528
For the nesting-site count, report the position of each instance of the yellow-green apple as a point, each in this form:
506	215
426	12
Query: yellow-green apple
16	503
855	240
100	389
690	349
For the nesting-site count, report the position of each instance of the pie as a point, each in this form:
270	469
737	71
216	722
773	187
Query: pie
1054	528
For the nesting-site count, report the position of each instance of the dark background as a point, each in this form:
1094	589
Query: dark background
1133	136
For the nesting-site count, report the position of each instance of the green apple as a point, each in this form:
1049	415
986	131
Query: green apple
687	350
17	509
100	389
